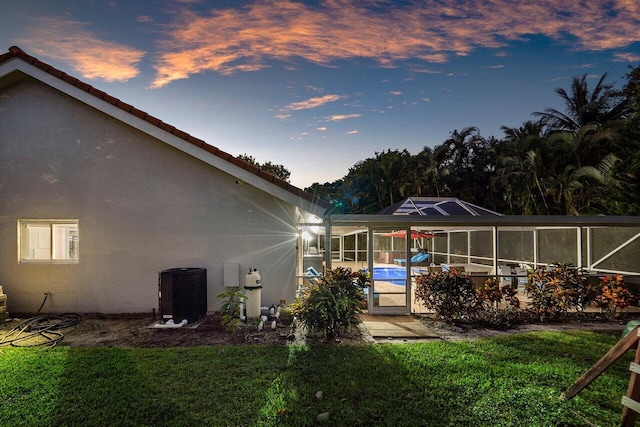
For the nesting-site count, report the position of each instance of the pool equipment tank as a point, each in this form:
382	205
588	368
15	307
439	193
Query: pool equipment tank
253	292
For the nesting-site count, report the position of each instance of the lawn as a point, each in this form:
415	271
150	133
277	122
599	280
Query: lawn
507	381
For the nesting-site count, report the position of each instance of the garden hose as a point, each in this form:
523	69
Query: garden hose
41	330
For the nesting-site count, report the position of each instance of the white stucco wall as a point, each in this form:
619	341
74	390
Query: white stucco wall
142	207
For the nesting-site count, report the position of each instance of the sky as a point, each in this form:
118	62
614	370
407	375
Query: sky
318	86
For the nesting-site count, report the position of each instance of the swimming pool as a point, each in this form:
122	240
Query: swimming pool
397	276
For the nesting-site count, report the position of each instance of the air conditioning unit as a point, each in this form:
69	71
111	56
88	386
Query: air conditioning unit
182	294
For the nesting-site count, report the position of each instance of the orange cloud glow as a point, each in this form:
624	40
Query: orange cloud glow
341	117
312	102
231	40
71	42
627	57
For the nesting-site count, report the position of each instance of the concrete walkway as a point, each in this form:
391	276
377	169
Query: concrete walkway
397	327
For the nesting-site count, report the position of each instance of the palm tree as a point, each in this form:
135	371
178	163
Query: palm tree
457	161
596	182
520	171
527	131
422	175
585	107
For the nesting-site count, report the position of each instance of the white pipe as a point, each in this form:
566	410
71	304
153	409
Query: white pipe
170	324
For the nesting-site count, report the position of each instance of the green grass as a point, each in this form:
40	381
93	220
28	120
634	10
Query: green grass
508	381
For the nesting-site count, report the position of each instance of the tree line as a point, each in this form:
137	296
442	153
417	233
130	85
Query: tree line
581	160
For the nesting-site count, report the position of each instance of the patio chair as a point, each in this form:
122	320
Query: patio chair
311	278
522	279
435	269
420	258
505	275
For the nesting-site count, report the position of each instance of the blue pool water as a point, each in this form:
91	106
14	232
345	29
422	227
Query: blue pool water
397	276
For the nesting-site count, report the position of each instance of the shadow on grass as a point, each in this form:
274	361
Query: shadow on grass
505	381
106	386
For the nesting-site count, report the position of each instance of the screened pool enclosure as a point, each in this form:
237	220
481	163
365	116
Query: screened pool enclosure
481	246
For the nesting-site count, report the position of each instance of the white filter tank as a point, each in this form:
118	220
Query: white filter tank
253	292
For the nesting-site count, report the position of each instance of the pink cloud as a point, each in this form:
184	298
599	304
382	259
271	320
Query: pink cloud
627	57
70	42
340	117
243	39
311	102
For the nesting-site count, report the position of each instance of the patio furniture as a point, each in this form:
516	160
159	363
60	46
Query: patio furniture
435	269
420	258
515	276
310	278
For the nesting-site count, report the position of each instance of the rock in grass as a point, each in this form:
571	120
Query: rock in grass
323	417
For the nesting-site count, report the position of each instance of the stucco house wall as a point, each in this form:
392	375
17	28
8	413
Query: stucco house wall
142	205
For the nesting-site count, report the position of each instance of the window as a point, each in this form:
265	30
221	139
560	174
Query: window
51	241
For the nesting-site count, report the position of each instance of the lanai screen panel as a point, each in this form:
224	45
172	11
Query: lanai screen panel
615	249
557	245
459	247
515	245
481	247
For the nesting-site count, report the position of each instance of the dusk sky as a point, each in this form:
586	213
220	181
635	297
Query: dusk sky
319	85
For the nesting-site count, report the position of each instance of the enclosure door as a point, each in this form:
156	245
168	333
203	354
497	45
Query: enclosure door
390	291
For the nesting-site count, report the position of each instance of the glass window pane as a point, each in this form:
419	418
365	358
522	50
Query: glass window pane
65	241
48	240
37	242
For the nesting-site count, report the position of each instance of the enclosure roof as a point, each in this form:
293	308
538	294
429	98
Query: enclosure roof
470	222
440	206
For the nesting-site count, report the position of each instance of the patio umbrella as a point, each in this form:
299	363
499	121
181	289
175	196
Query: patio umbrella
415	234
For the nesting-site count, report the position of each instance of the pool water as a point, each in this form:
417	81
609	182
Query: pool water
397	276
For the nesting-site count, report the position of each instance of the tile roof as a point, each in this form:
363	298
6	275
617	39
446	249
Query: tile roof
16	52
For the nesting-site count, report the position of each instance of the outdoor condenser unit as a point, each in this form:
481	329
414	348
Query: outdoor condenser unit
182	294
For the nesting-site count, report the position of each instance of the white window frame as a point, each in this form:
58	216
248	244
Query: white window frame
54	244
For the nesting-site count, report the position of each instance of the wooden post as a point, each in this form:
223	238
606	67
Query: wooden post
630	404
616	352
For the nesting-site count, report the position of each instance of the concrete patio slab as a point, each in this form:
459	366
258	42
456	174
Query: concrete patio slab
397	327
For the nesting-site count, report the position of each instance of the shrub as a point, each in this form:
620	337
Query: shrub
230	308
334	304
503	318
613	295
557	290
492	295
449	295
501	308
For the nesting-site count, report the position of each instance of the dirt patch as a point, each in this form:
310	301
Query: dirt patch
138	331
